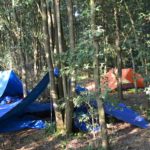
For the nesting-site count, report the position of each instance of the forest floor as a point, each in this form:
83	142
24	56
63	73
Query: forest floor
122	136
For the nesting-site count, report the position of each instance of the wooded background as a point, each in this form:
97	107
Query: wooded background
81	38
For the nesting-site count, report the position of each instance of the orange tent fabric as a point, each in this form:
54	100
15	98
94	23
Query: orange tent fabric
109	80
128	75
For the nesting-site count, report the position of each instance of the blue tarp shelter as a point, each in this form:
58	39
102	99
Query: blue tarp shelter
12	116
19	114
10	84
119	111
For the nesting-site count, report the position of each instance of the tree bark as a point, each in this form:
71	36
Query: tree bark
18	35
53	92
69	102
118	50
136	45
101	112
59	32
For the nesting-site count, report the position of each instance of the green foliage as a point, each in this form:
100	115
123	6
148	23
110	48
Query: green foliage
21	31
91	118
50	128
148	114
147	91
29	22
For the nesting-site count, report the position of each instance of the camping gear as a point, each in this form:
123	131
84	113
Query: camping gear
12	115
128	77
18	113
117	110
109	80
10	84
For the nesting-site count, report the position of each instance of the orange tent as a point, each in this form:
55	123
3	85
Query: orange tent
109	80
128	76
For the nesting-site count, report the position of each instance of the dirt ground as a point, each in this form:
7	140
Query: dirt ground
122	136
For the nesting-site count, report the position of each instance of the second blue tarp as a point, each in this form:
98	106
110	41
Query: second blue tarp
20	123
119	111
126	114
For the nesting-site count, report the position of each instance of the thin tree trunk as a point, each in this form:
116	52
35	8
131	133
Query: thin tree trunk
59	32
35	56
118	50
69	102
23	60
133	66
18	39
136	45
23	72
55	28
97	80
50	29
56	49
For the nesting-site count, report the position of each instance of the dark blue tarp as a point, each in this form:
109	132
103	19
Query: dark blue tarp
29	120
19	107
56	72
83	121
80	89
10	84
124	113
39	108
13	116
119	111
17	124
4	109
8	100
34	108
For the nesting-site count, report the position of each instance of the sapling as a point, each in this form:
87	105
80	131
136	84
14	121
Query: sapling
147	91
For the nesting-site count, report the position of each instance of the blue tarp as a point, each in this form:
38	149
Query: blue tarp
19	107
13	116
8	100
119	111
4	109
39	108
20	123
83	120
124	113
10	113
10	84
80	89
29	120
56	72
34	108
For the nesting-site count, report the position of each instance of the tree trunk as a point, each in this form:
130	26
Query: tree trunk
18	35
133	66
35	56
136	45
53	93
101	112
118	50
60	46
69	102
50	29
